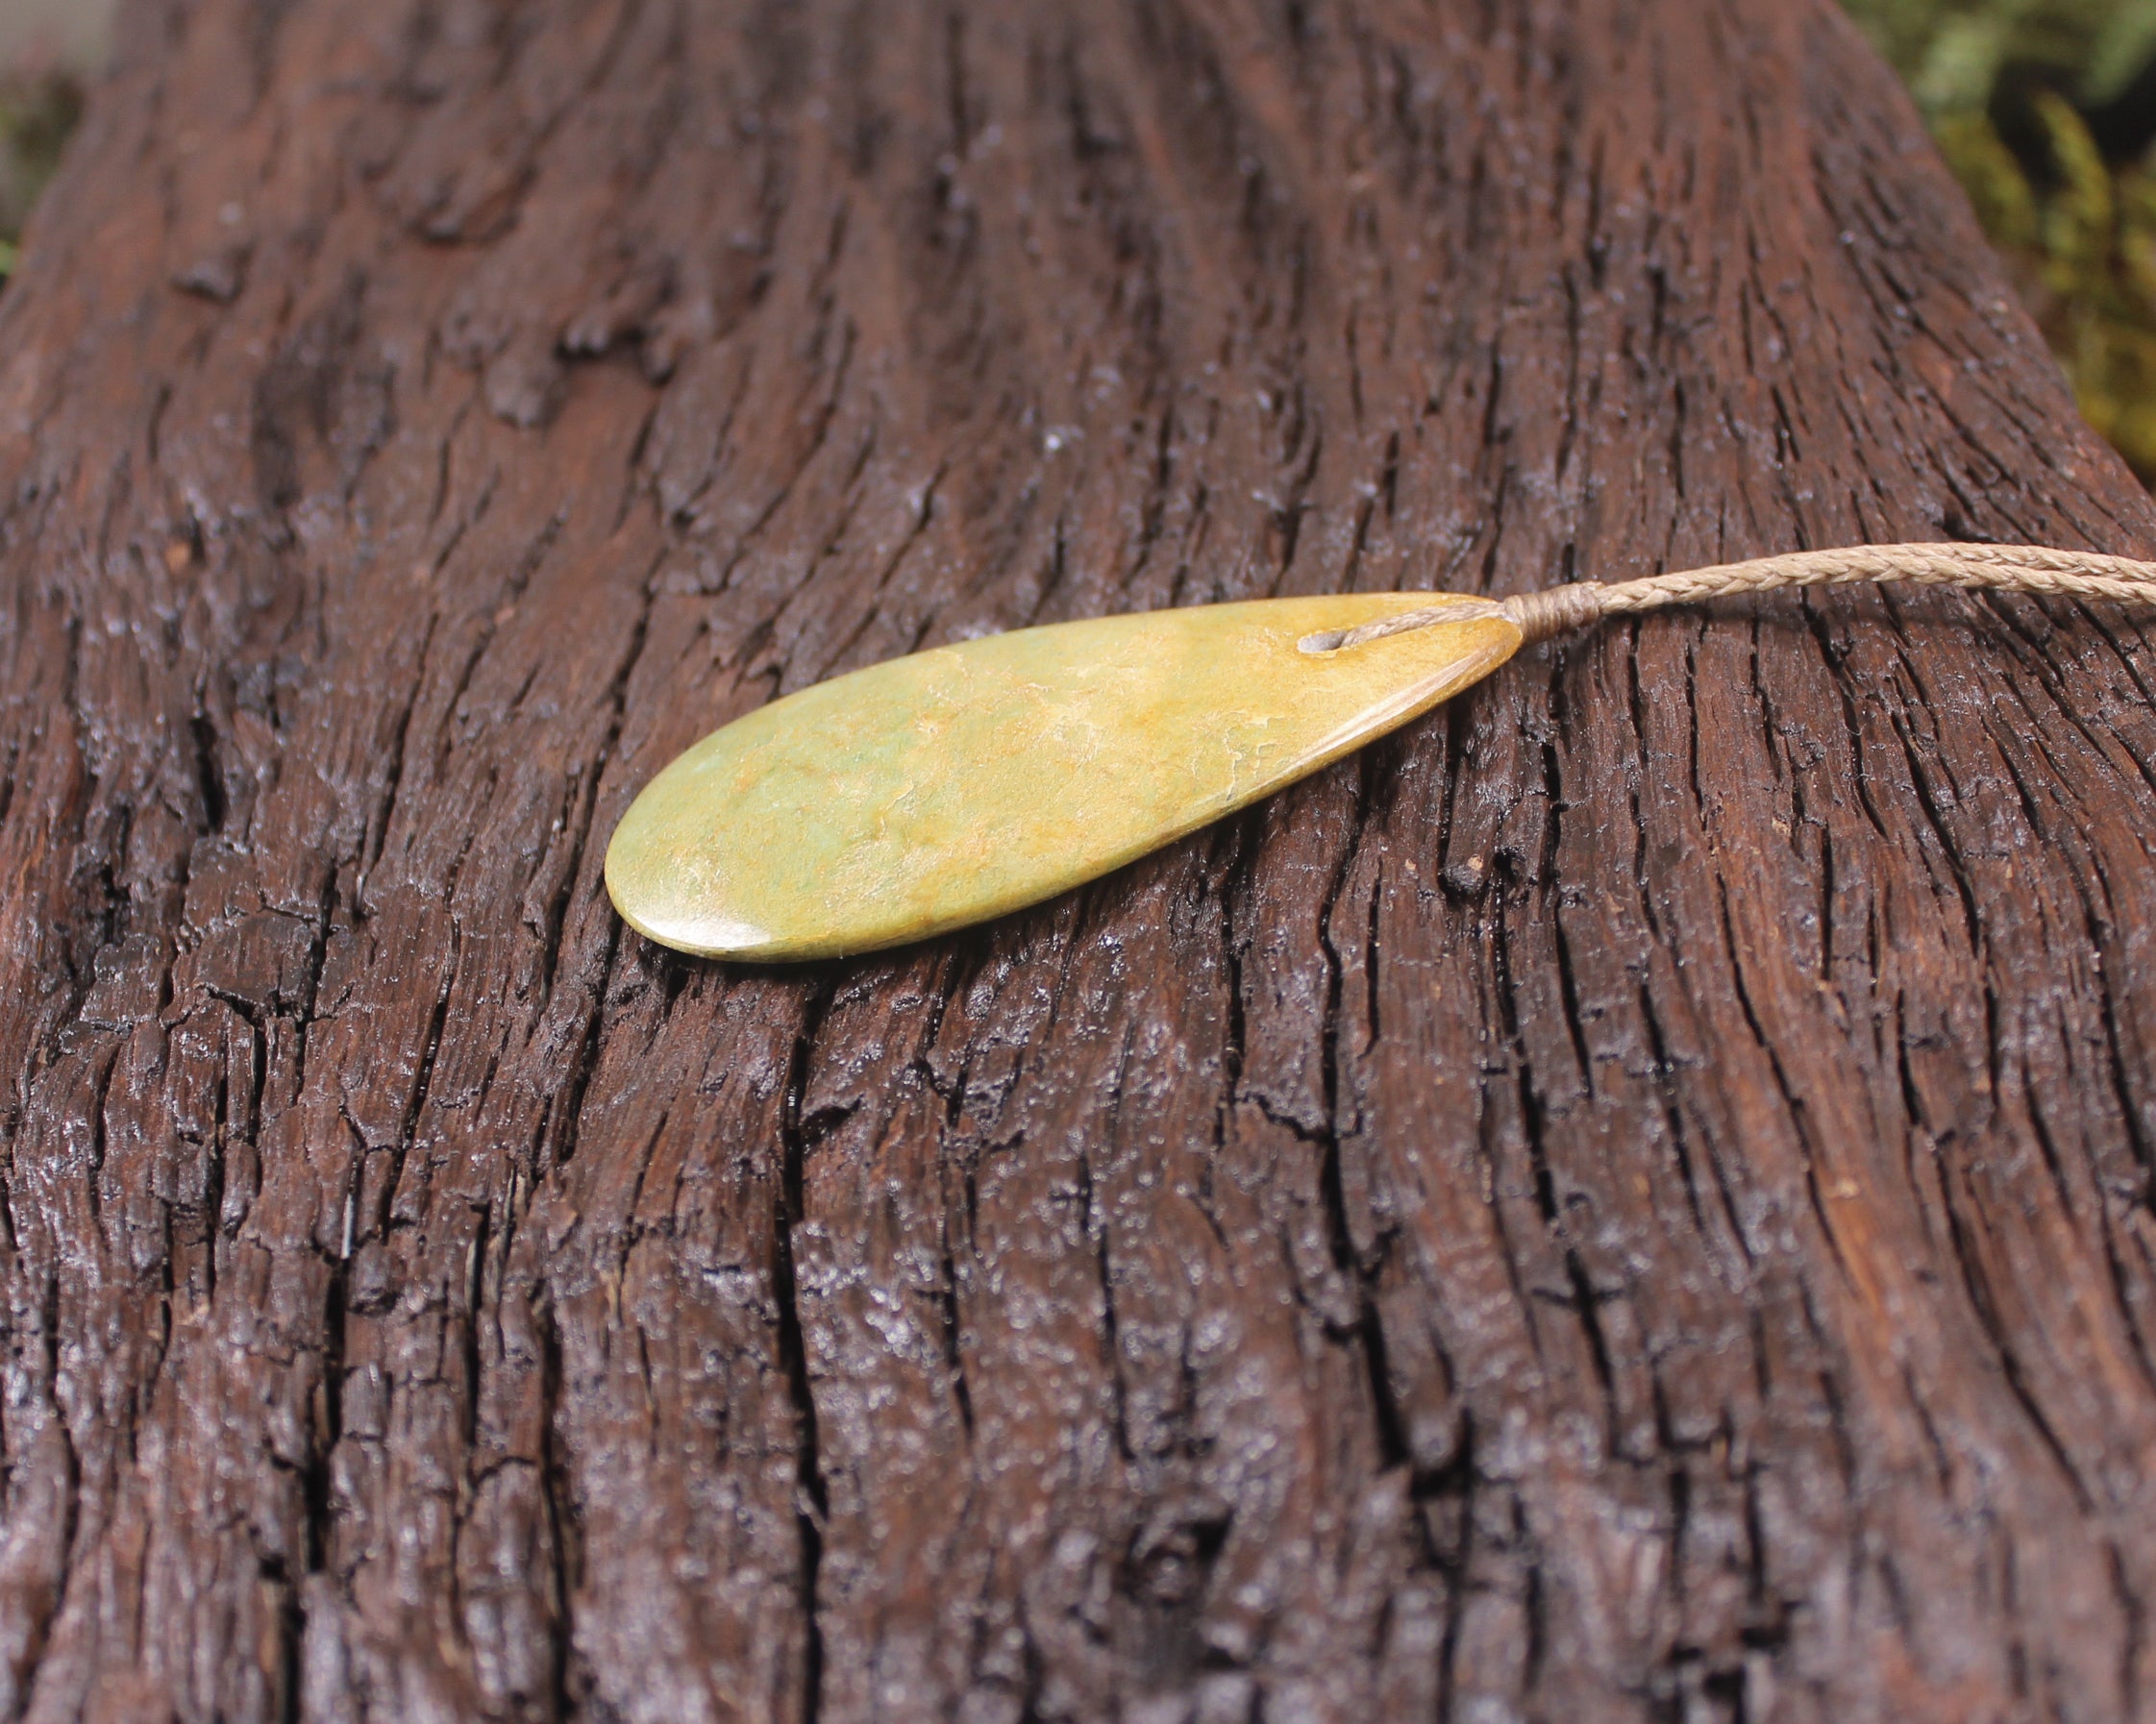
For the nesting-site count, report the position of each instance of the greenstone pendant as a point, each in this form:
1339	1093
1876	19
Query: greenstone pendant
939	790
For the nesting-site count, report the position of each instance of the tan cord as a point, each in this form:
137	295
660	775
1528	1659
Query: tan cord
2006	568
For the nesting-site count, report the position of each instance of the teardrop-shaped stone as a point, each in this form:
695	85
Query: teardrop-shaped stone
938	790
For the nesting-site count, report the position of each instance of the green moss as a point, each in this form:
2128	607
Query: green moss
1994	181
2096	260
38	111
2077	231
1954	53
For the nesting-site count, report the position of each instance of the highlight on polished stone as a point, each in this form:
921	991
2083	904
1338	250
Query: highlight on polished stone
935	791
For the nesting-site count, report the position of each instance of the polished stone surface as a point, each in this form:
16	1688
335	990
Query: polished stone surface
935	791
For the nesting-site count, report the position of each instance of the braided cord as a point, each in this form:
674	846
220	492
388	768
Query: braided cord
1999	568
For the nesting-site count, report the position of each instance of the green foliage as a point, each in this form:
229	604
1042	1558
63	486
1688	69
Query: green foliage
1954	53
2009	87
38	112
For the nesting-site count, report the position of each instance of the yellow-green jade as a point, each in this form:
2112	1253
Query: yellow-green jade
939	790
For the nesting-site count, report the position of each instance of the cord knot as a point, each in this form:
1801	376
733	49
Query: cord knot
1555	610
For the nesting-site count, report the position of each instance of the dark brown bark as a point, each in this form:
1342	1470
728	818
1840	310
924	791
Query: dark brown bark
1629	1200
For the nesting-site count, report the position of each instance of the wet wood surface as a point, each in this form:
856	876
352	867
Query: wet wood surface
1628	1200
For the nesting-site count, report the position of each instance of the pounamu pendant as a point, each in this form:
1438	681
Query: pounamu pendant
931	792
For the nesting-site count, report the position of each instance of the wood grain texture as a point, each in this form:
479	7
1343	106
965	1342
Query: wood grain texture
1631	1200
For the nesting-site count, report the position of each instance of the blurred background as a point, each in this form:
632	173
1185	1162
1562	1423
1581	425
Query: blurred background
2045	110
47	49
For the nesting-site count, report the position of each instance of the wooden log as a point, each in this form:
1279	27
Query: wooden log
1628	1200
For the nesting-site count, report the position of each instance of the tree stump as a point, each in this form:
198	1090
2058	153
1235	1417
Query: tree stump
1631	1200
